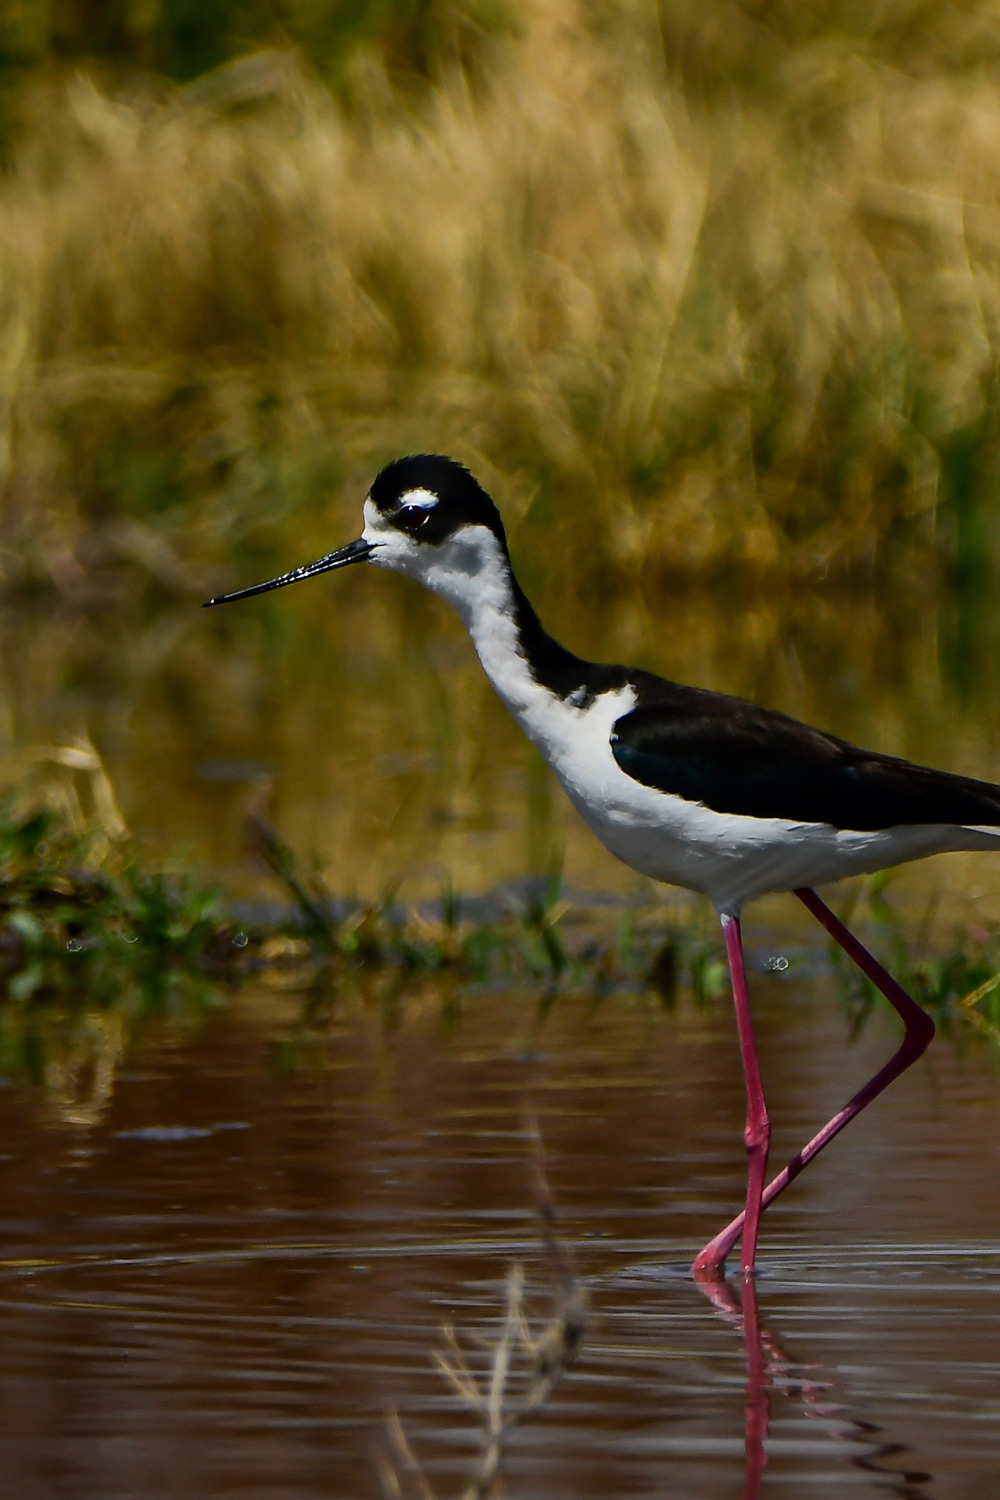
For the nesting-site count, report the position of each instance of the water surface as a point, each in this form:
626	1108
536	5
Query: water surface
223	1268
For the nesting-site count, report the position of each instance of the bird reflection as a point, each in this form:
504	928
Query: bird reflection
770	1369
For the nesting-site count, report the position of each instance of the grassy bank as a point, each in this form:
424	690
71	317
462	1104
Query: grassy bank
88	925
696	290
85	918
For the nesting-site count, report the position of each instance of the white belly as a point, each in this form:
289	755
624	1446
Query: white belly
734	859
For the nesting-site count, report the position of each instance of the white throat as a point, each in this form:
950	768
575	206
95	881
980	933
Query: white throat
473	573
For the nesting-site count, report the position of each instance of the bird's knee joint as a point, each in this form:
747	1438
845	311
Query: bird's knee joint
757	1135
923	1031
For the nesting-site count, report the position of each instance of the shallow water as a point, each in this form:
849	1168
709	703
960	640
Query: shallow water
219	1277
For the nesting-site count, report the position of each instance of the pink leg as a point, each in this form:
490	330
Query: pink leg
919	1030
757	1134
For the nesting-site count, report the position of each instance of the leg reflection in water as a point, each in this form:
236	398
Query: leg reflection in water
771	1370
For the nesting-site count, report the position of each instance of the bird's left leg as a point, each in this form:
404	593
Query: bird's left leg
757	1134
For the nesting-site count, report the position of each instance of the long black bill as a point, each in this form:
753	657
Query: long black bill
354	552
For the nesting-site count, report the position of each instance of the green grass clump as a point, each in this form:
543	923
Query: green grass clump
102	930
91	944
526	943
84	920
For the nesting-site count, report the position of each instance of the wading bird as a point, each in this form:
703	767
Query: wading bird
695	788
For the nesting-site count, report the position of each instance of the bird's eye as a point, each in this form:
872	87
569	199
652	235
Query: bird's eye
412	517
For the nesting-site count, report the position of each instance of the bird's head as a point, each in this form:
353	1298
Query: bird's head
425	516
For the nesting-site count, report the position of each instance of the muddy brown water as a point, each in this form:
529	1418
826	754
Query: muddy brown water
221	1270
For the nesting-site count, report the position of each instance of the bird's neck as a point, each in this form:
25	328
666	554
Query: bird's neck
530	671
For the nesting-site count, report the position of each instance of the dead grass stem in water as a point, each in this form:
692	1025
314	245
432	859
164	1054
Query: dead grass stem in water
523	1368
707	288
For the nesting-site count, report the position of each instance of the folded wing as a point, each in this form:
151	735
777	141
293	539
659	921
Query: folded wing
737	758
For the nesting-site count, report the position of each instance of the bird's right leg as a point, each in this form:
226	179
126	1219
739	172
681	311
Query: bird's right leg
757	1134
919	1031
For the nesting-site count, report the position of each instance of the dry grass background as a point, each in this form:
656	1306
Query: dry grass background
704	288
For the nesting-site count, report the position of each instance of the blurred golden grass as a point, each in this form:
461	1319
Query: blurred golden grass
705	289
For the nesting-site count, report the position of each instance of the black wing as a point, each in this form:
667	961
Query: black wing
737	758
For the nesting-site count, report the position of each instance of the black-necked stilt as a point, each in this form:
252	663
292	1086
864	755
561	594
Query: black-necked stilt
691	787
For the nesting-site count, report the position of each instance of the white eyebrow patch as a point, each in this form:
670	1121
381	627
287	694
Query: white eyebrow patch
423	499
